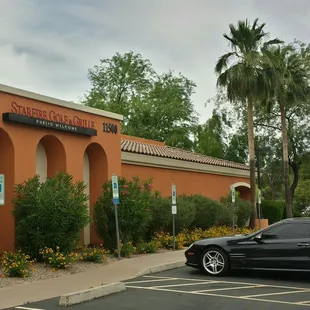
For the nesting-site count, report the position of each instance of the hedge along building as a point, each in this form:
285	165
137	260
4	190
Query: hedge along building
43	135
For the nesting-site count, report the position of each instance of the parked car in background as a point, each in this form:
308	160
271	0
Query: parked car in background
283	246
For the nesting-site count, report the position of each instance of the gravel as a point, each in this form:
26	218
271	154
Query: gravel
43	273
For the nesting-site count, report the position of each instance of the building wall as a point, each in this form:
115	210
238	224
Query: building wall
29	150
187	182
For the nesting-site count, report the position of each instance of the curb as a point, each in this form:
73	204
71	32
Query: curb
160	268
92	293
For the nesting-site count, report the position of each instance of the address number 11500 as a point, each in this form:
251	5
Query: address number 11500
109	128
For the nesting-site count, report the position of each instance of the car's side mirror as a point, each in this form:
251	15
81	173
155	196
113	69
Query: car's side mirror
258	238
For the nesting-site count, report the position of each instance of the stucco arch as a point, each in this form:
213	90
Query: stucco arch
55	156
243	188
7	167
95	174
240	184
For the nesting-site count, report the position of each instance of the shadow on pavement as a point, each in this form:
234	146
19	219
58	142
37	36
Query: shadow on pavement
300	277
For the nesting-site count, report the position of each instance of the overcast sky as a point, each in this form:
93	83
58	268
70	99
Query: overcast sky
48	46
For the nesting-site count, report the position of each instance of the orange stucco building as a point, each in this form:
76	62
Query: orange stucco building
43	135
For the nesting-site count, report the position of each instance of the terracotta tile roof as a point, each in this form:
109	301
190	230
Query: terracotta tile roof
174	153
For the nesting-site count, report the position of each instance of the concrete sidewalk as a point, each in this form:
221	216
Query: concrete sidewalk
114	272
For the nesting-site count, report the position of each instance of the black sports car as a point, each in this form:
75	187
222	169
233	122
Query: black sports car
284	245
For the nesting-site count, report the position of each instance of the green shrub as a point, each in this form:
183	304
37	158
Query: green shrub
134	214
147	247
226	217
185	214
127	249
273	210
207	212
49	214
160	213
242	211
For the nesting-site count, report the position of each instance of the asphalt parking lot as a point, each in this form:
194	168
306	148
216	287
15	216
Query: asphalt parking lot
185	287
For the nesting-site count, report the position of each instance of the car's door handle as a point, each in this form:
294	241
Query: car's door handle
303	244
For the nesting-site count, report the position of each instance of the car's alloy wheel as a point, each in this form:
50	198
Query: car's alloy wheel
214	262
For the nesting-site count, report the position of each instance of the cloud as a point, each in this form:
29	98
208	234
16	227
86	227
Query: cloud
48	46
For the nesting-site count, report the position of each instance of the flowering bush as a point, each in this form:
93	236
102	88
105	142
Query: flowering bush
50	213
94	254
213	232
186	237
127	249
57	259
147	247
16	264
166	240
133	211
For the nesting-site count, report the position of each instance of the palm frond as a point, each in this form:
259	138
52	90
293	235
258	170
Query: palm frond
254	24
222	79
257	64
275	41
232	41
222	63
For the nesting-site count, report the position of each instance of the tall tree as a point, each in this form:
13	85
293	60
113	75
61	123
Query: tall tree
167	114
237	150
119	81
267	126
239	72
298	128
154	106
210	137
234	125
289	79
302	193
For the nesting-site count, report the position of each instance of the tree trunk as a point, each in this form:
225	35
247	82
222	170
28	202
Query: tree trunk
295	167
252	162
286	167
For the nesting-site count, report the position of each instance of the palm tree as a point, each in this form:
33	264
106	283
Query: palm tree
289	76
240	73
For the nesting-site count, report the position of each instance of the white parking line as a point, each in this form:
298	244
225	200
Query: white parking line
230	288
157	280
279	293
186	284
256	299
213	292
233	282
186	279
25	308
304	303
219	295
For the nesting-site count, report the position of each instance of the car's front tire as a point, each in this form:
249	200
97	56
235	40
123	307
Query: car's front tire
214	262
